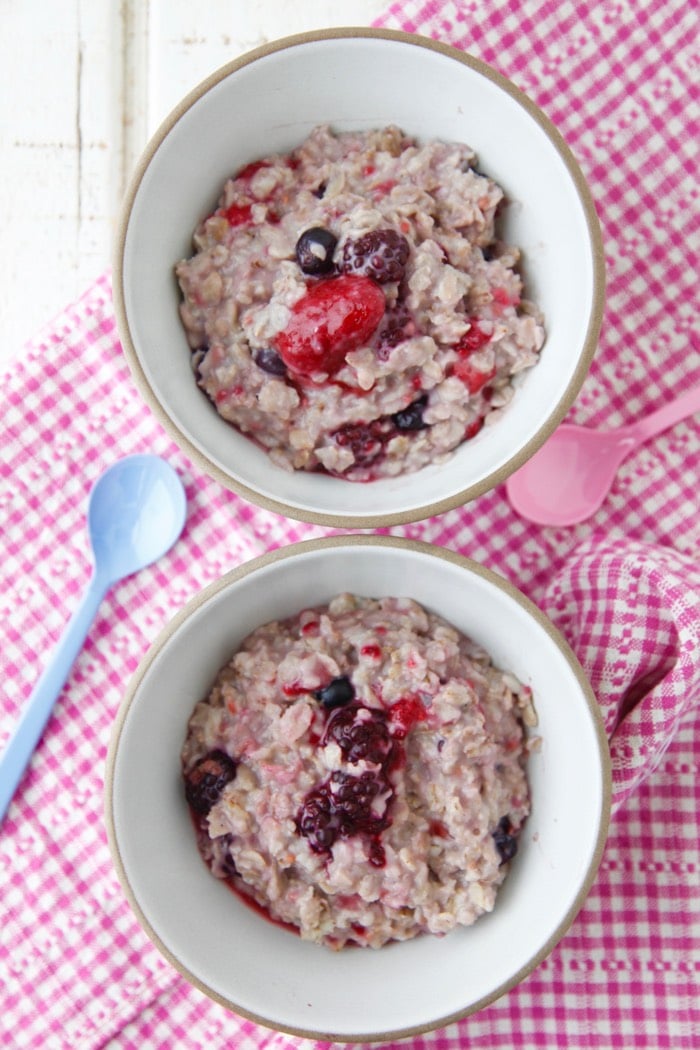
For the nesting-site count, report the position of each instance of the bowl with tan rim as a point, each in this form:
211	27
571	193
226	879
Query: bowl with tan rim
389	397
264	970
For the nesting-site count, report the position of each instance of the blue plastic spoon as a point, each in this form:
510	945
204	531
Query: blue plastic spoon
135	514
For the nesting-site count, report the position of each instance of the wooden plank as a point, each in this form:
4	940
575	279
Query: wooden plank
86	83
58	151
188	41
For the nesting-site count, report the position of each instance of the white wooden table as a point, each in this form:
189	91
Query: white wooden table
85	84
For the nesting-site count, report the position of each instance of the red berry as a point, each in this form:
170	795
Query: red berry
246	173
371	650
335	316
472	340
474	427
238	214
405	713
473	378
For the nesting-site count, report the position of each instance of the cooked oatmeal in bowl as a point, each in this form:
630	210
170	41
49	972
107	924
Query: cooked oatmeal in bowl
359	771
176	721
291	435
351	307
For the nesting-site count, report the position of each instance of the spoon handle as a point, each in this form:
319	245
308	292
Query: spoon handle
665	417
27	732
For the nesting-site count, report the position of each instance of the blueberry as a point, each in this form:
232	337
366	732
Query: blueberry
411	418
337	693
506	839
314	251
380	254
270	361
207	779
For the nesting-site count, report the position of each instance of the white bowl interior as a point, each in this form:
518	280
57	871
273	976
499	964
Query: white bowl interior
270	104
267	972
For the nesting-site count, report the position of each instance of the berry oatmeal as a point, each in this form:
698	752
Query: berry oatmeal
359	772
350	307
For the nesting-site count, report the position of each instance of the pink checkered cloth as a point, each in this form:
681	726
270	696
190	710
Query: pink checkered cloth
76	969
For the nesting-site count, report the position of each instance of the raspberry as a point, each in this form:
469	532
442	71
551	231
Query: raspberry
381	254
473	378
335	316
207	779
405	713
472	340
238	214
246	173
473	428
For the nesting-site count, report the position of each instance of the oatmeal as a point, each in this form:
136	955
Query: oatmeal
359	771
350	307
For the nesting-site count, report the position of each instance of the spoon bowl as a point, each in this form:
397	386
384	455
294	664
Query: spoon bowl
567	480
136	512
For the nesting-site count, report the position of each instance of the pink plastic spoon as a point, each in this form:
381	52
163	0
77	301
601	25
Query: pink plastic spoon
568	479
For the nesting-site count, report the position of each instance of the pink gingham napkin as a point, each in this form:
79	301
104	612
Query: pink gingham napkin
619	80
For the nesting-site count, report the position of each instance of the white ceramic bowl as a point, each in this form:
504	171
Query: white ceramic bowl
268	101
267	973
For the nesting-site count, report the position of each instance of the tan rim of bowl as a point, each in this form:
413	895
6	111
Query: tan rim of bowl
565	402
356	540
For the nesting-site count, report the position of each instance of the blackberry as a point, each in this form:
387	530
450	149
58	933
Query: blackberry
365	440
506	839
341	807
353	799
207	779
360	733
380	254
317	822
